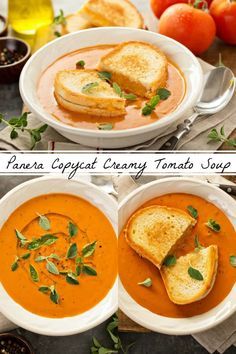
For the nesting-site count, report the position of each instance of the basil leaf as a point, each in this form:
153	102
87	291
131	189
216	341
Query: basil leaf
96	343
71	279
89	249
105	126
163	93
192	211
198	246
170	261
80	64
52	268
232	260
15	265
195	274
44	289
89	270
72	251
130	96
25	256
42	241
73	229
54	256
150	106
33	273
54	295
87	88
40	259
78	270
44	222
104	75
213	225
117	89
79	260
21	237
147	283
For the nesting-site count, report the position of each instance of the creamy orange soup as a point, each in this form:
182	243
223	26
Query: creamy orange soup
91	225
133	269
133	117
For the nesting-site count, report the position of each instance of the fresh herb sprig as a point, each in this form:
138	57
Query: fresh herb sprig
81	264
192	211
19	124
122	94
54	296
147	283
15	265
117	345
60	19
161	95
170	261
195	274
213	225
220	136
197	244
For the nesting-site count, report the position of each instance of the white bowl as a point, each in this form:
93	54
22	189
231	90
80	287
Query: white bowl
68	325
167	325
34	68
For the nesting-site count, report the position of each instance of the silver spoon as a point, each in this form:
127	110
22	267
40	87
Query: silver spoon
219	87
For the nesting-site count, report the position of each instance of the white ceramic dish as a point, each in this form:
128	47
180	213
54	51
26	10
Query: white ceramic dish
68	325
32	71
167	325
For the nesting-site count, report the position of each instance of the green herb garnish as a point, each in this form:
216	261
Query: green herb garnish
89	249
104	75
117	346
72	251
73	229
71	278
33	273
216	136
119	92
21	237
150	106
170	261
60	19
88	88
45	240
213	225
147	283
25	256
57	34
53	293
192	211
80	64
89	270
197	244
52	268
15	265
44	258
19	124
232	260
44	222
195	274
163	93
105	126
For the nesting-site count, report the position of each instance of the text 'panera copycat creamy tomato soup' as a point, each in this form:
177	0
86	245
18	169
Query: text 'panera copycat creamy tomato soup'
133	117
155	298
58	255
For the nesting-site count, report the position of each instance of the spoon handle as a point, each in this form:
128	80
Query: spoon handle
182	129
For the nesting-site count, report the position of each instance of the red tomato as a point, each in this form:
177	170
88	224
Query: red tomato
192	27
224	14
159	6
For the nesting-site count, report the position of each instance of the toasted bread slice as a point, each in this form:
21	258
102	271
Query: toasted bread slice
181	287
137	67
99	100
155	231
76	22
121	13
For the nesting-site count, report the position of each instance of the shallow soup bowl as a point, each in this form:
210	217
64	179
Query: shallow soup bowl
67	325
143	316
43	58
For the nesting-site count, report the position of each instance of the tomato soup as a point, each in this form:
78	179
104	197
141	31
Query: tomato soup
58	255
133	269
133	117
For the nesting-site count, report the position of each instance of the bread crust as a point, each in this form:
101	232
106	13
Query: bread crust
209	282
139	249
